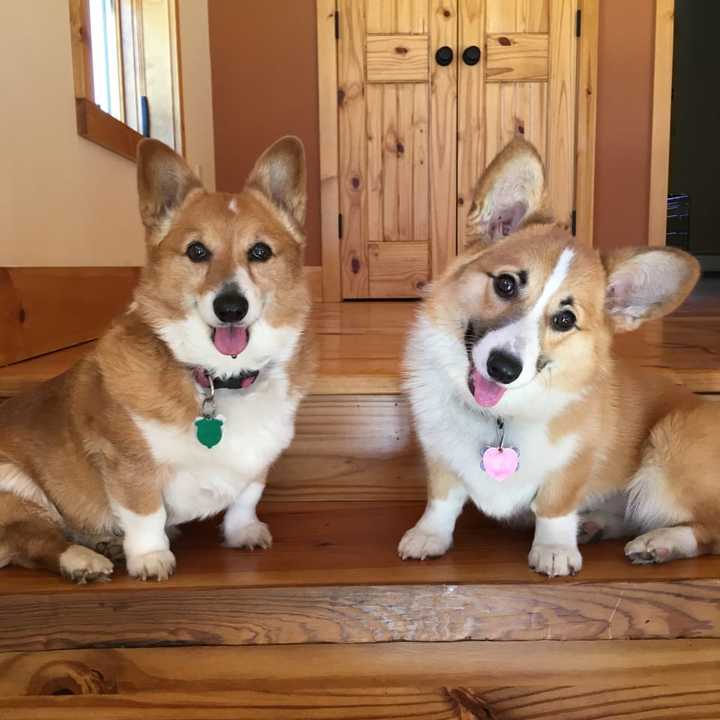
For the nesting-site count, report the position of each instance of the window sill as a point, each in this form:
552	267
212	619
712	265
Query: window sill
97	126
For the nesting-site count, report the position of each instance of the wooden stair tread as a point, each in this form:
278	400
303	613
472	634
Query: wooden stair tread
360	347
323	543
333	576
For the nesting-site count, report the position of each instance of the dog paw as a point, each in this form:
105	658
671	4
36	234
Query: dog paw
82	565
662	545
418	544
255	535
111	548
601	525
555	560
159	565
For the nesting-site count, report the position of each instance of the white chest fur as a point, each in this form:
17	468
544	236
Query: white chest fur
452	429
258	426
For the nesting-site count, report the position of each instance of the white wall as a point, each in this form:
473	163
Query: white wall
65	201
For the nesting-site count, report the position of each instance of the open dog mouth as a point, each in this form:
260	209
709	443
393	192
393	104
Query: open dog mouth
486	392
230	339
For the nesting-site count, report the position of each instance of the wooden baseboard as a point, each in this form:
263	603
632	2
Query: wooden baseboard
47	309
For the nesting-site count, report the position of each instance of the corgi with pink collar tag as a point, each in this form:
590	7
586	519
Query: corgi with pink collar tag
522	406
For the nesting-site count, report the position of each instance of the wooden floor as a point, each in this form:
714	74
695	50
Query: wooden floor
360	347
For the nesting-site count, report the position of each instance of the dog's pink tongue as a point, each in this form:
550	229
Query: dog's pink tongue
486	393
230	339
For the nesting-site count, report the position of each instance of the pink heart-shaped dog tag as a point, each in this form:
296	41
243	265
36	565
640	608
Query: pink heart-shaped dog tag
500	463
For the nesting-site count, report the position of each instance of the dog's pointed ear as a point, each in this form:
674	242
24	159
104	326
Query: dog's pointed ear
164	182
511	189
280	175
646	283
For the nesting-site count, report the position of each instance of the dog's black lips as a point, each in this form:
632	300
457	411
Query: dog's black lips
471	337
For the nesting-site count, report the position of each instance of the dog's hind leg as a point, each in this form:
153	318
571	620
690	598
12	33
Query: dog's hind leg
675	495
32	536
605	520
671	543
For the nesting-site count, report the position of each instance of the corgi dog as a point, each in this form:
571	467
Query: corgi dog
522	406
182	406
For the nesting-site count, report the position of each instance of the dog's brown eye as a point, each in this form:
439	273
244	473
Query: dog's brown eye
505	286
564	320
197	252
260	252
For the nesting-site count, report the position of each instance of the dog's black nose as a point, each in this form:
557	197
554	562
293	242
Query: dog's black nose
230	306
503	367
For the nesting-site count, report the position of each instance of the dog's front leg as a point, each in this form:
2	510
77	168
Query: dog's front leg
555	549
241	527
433	534
140	513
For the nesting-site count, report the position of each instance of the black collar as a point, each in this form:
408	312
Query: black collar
241	381
237	382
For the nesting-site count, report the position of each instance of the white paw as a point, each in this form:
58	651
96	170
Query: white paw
555	560
255	535
418	544
662	545
159	565
81	565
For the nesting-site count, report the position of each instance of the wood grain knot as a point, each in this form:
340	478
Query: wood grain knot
400	148
22	315
461	201
355	265
355	182
469	705
400	50
340	96
420	284
70	678
447	13
504	41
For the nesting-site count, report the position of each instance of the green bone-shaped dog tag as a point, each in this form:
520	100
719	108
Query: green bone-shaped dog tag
209	431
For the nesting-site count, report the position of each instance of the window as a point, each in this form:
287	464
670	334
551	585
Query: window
125	58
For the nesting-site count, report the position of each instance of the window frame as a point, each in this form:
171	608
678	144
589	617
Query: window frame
93	123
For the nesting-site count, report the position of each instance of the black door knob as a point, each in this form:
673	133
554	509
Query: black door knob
471	55
444	55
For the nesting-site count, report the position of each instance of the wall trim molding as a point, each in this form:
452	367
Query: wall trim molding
329	148
661	109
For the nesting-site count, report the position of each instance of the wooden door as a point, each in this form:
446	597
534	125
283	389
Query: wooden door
415	134
397	123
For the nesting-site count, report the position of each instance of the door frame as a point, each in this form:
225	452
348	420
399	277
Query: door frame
661	115
329	137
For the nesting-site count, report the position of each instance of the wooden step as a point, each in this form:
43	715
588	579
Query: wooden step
333	576
650	679
360	346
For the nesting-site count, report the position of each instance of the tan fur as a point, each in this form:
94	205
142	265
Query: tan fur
441	480
75	438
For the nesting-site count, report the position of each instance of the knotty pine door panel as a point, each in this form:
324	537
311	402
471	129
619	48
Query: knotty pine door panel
415	134
397	126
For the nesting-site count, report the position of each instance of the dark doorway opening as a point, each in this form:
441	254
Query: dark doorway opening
694	183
